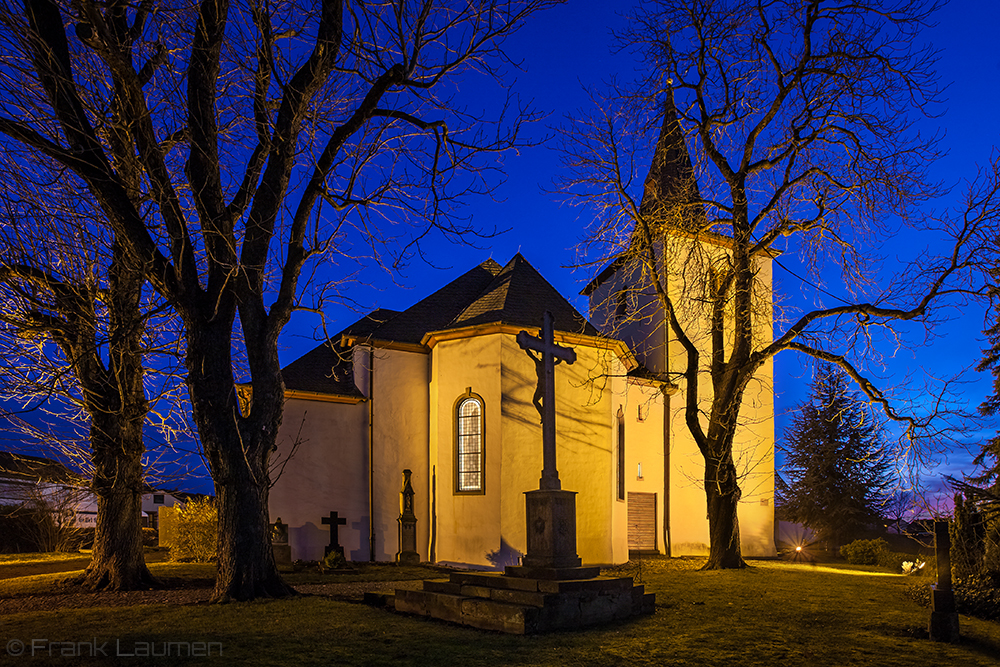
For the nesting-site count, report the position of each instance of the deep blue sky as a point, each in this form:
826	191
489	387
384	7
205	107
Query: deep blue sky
568	49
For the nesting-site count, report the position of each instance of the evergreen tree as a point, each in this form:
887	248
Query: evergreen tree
982	493
836	473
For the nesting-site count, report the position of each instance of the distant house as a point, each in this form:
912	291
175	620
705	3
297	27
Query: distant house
33	480
28	480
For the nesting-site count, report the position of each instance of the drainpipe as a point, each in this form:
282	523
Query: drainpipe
666	473
432	463
371	453
667	392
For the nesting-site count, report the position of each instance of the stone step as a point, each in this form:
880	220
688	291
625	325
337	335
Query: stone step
493	580
442	586
646	605
480	613
522	606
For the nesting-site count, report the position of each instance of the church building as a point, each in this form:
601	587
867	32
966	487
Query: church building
443	390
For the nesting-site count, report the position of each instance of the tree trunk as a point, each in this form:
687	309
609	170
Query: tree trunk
117	563
723	492
238	448
246	560
116	403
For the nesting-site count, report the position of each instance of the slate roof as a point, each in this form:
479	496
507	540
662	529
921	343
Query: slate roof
328	369
519	296
515	294
437	311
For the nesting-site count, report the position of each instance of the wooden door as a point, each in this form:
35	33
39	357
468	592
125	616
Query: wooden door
642	522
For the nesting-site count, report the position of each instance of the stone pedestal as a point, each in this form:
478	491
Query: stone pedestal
407	543
407	525
943	626
551	529
282	554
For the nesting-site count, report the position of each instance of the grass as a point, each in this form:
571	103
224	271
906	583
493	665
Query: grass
14	566
775	613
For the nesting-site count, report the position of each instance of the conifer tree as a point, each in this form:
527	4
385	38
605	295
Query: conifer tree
836	473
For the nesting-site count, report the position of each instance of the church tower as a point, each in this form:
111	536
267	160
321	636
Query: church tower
674	255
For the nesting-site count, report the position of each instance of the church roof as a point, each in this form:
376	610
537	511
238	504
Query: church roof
515	294
438	310
519	296
327	368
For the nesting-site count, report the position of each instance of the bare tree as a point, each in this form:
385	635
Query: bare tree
902	503
793	132
73	336
228	145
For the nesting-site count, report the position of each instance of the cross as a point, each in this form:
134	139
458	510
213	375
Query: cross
551	354
334	522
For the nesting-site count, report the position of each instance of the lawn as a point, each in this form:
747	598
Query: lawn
775	613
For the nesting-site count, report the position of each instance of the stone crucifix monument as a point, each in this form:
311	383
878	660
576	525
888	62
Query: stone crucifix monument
550	511
549	590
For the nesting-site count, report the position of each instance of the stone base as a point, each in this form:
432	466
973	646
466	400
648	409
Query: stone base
524	605
282	554
408	558
552	572
551	529
943	626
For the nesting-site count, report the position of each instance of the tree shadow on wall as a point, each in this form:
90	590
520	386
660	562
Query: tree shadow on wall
504	556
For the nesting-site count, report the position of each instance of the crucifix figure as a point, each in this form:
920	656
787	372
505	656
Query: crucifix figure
549	354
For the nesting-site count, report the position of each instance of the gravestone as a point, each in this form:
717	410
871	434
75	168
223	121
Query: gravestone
407	525
943	625
550	512
279	543
334	521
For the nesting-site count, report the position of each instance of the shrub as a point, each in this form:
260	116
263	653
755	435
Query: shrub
150	537
333	561
197	530
977	595
17	534
865	552
893	560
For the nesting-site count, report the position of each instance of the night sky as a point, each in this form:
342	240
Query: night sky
568	49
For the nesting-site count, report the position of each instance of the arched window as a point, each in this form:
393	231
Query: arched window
470	441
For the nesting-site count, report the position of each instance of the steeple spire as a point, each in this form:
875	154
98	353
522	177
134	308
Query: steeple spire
670	195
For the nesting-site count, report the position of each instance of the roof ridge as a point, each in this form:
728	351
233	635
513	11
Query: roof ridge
501	280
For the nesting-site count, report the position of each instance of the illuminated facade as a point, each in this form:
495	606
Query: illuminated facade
443	389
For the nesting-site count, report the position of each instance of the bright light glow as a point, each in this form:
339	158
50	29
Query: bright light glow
813	567
798	548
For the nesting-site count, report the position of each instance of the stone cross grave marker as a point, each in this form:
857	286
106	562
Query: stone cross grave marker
334	521
550	354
